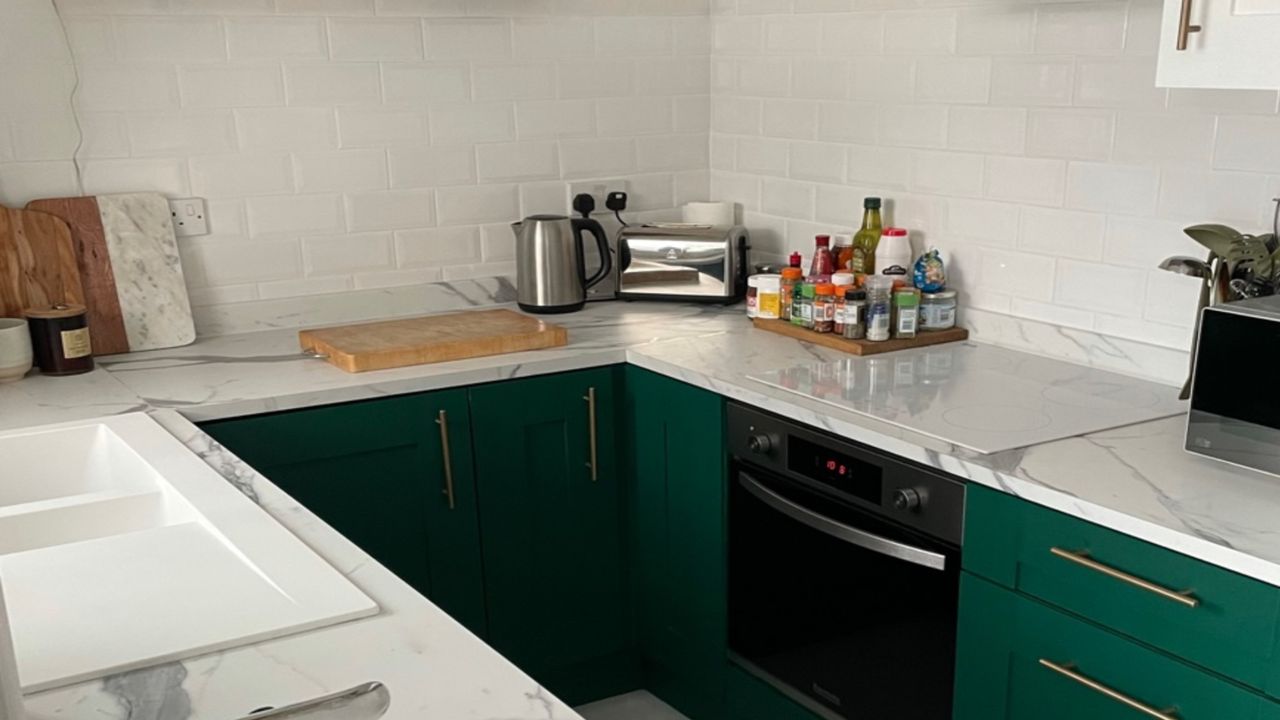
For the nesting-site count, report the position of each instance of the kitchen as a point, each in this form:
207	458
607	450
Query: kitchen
360	160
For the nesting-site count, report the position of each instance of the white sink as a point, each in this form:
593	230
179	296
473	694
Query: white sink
120	548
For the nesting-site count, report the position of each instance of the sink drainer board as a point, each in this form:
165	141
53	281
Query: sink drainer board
120	548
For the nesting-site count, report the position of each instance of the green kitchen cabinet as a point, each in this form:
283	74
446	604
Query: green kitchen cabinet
378	472
550	487
678	534
1019	659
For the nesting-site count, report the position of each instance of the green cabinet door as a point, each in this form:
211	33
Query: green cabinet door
552	530
1018	659
678	534
376	472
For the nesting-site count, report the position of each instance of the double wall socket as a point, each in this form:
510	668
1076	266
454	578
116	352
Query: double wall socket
597	189
190	217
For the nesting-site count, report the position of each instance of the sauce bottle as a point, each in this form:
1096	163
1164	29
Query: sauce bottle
823	264
862	257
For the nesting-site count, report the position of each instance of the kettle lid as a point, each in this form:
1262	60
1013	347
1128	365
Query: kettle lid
547	217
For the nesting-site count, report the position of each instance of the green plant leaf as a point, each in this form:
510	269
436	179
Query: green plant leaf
1218	239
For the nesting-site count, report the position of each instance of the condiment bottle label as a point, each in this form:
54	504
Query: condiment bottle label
75	344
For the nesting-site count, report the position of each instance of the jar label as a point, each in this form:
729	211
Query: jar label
75	343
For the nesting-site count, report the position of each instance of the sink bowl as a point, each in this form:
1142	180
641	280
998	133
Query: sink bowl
120	548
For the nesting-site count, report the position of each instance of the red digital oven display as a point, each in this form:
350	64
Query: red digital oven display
842	472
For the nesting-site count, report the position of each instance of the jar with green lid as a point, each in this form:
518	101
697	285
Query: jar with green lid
906	312
802	306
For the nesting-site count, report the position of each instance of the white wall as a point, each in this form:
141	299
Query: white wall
1026	139
351	144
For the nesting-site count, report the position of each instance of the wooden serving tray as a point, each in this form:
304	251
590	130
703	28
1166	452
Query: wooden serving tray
861	347
431	339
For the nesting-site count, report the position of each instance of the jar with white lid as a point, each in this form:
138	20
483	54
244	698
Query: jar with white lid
768	296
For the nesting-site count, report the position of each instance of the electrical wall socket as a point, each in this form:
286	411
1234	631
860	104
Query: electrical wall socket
598	189
190	217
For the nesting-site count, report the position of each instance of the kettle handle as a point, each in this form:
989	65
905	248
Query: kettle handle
602	241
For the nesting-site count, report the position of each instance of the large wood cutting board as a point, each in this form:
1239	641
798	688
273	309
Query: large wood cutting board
431	339
37	263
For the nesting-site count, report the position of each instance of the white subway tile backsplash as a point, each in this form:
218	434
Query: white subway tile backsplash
788	198
797	34
946	173
763	156
853	122
522	80
1163	138
1122	83
983	221
261	38
555	118
673	76
166	176
234	263
1232	198
953	80
820	78
425	167
465	205
737	116
43	137
929	32
1144	242
553	37
1023	275
381	126
889	79
1062	233
598	78
912	125
329	84
347	253
286	128
859	34
671	152
222	176
182	133
395	210
436	247
293	214
987	129
108	87
995	30
634	36
476	122
518	161
1101	288
1070	133
791	119
341	171
634	116
422	83
878	166
1113	188
1248	143
1026	180
303	287
182	39
370	39
597	157
226	86
472	38
1084	28
763	76
820	162
1031	81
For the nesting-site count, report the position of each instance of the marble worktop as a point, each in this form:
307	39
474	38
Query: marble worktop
1135	479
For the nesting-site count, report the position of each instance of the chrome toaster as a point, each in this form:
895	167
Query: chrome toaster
673	261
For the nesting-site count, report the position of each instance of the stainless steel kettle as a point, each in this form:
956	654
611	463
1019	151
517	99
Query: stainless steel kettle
551	274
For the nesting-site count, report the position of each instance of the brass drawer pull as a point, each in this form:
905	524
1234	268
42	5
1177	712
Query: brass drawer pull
1185	28
1068	671
1082	558
443	421
590	397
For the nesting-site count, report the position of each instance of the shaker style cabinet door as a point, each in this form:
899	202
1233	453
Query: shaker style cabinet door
378	472
1235	46
548	479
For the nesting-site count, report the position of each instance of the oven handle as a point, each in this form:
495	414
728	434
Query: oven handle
840	531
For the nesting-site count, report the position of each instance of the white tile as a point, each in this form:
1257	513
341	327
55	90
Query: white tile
848	122
497	243
763	156
597	158
394	210
537	198
104	136
724	148
421	83
1144	242
423	167
1062	233
891	79
822	162
692	113
1123	189
381	39
397	278
173	134
1222	102
90	37
995	30
184	39
1026	180
634	36
1122	82
325	84
1101	288
286	128
1083	28
281	214
514	81
989	223
165	176
953	80
1022	275
465	205
347	253
791	119
762	76
671	152
261	38
555	118
839	205
673	76
325	7
634	116
886	167
1070	133
1142	33
1032	80
55	137
377	126
228	86
787	198
691	186
822	6
22	182
302	287
1171	299
233	263
1163	138
650	192
791	35
553	37
1248	143
763	7
946	173
737	35
820	78
987	129
478	122
341	171
693	35
736	116
596	79
219	176
518	161
1050	313
912	125
931	32
1230	198
434	247
852	34
473	38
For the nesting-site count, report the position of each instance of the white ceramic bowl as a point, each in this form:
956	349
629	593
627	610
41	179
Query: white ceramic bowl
15	349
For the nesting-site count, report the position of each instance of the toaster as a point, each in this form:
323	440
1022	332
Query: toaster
673	261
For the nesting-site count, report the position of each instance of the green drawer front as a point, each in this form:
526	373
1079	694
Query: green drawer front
1232	630
1004	637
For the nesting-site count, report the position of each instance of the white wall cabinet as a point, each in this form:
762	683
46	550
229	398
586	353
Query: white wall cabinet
1237	46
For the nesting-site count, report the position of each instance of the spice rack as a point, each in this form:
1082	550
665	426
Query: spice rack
861	347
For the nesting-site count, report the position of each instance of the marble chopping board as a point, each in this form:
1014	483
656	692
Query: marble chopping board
980	397
136	293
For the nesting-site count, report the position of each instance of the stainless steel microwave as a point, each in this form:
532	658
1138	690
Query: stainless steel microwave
1235	401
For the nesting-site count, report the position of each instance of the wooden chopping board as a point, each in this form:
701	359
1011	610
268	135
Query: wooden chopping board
431	339
37	263
127	254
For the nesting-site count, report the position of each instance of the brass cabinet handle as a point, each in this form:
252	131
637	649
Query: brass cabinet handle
1082	558
1185	28
443	421
1069	672
590	397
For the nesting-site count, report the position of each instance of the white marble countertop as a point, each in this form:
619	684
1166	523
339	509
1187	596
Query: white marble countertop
1134	479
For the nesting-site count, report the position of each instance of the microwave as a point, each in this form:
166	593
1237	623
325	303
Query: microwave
1235	406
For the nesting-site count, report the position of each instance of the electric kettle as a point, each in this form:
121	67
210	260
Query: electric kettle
551	274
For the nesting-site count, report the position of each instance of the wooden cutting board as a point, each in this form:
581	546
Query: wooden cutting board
37	263
431	339
136	293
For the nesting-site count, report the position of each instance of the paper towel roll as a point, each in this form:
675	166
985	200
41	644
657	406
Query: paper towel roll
716	214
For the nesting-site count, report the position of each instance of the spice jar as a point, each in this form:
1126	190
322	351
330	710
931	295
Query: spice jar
768	303
753	296
787	288
60	339
824	308
879	299
854	325
808	293
938	310
906	312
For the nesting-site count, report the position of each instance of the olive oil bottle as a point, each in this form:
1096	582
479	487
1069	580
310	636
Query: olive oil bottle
863	261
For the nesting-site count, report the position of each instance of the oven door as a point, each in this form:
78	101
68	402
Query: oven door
849	614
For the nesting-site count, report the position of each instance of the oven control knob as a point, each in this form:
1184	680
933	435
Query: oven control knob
906	499
760	444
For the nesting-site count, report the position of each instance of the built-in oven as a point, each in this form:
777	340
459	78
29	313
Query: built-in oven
844	566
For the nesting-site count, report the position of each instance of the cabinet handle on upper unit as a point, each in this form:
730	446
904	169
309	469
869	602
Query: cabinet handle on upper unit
443	421
1185	28
1081	557
590	397
1066	670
